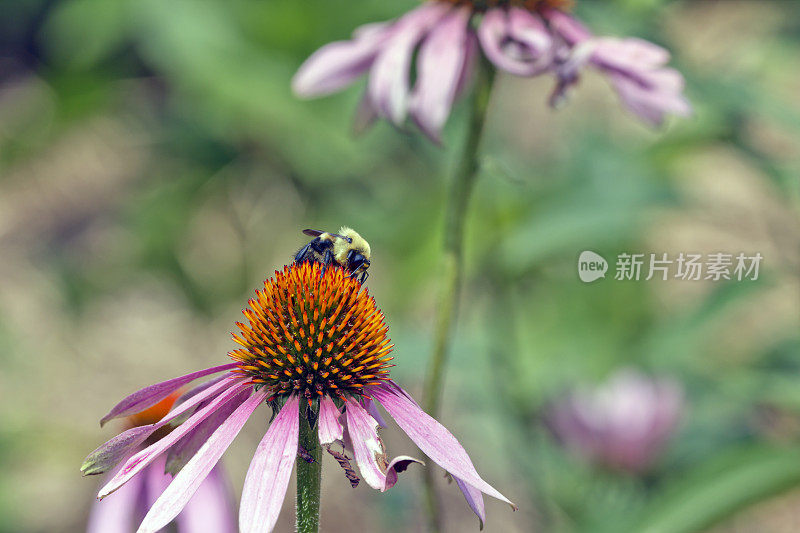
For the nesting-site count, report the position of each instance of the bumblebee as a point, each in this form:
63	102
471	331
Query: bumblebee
347	249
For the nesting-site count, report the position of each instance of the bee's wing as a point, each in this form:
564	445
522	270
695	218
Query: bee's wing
317	233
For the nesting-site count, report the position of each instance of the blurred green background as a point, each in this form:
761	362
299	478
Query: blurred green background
155	168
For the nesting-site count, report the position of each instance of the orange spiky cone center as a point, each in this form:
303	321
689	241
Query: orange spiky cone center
313	331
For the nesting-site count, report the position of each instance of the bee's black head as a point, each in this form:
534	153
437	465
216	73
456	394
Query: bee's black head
356	261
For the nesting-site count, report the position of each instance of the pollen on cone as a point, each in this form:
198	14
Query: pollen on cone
313	330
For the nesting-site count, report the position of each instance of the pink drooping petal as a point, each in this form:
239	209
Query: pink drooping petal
533	40
149	396
565	26
117	514
135	464
186	483
388	85
372	409
649	105
211	508
183	450
628	54
439	65
474	499
492	31
268	476
432	438
330	429
119	448
369	452
516	41
338	64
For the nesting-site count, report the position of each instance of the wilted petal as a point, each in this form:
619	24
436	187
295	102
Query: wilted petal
136	463
367	446
186	483
117	514
474	499
397	465
569	64
431	437
388	80
149	396
119	448
268	476
439	65
516	41
179	454
330	429
210	509
369	451
338	64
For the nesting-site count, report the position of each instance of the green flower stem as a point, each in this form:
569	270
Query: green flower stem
462	185
309	479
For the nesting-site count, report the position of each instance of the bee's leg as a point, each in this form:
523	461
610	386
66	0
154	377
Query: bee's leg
327	259
364	276
301	255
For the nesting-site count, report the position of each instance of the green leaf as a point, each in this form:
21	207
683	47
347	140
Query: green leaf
723	487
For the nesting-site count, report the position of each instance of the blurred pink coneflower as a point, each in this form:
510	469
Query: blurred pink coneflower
623	424
440	41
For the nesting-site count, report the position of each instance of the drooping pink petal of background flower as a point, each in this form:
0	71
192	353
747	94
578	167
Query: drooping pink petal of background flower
436	44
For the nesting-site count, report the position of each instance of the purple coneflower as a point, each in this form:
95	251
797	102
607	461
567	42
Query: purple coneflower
210	509
315	346
623	424
441	39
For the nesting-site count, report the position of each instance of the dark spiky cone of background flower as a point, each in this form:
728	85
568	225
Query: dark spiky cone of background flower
313	334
